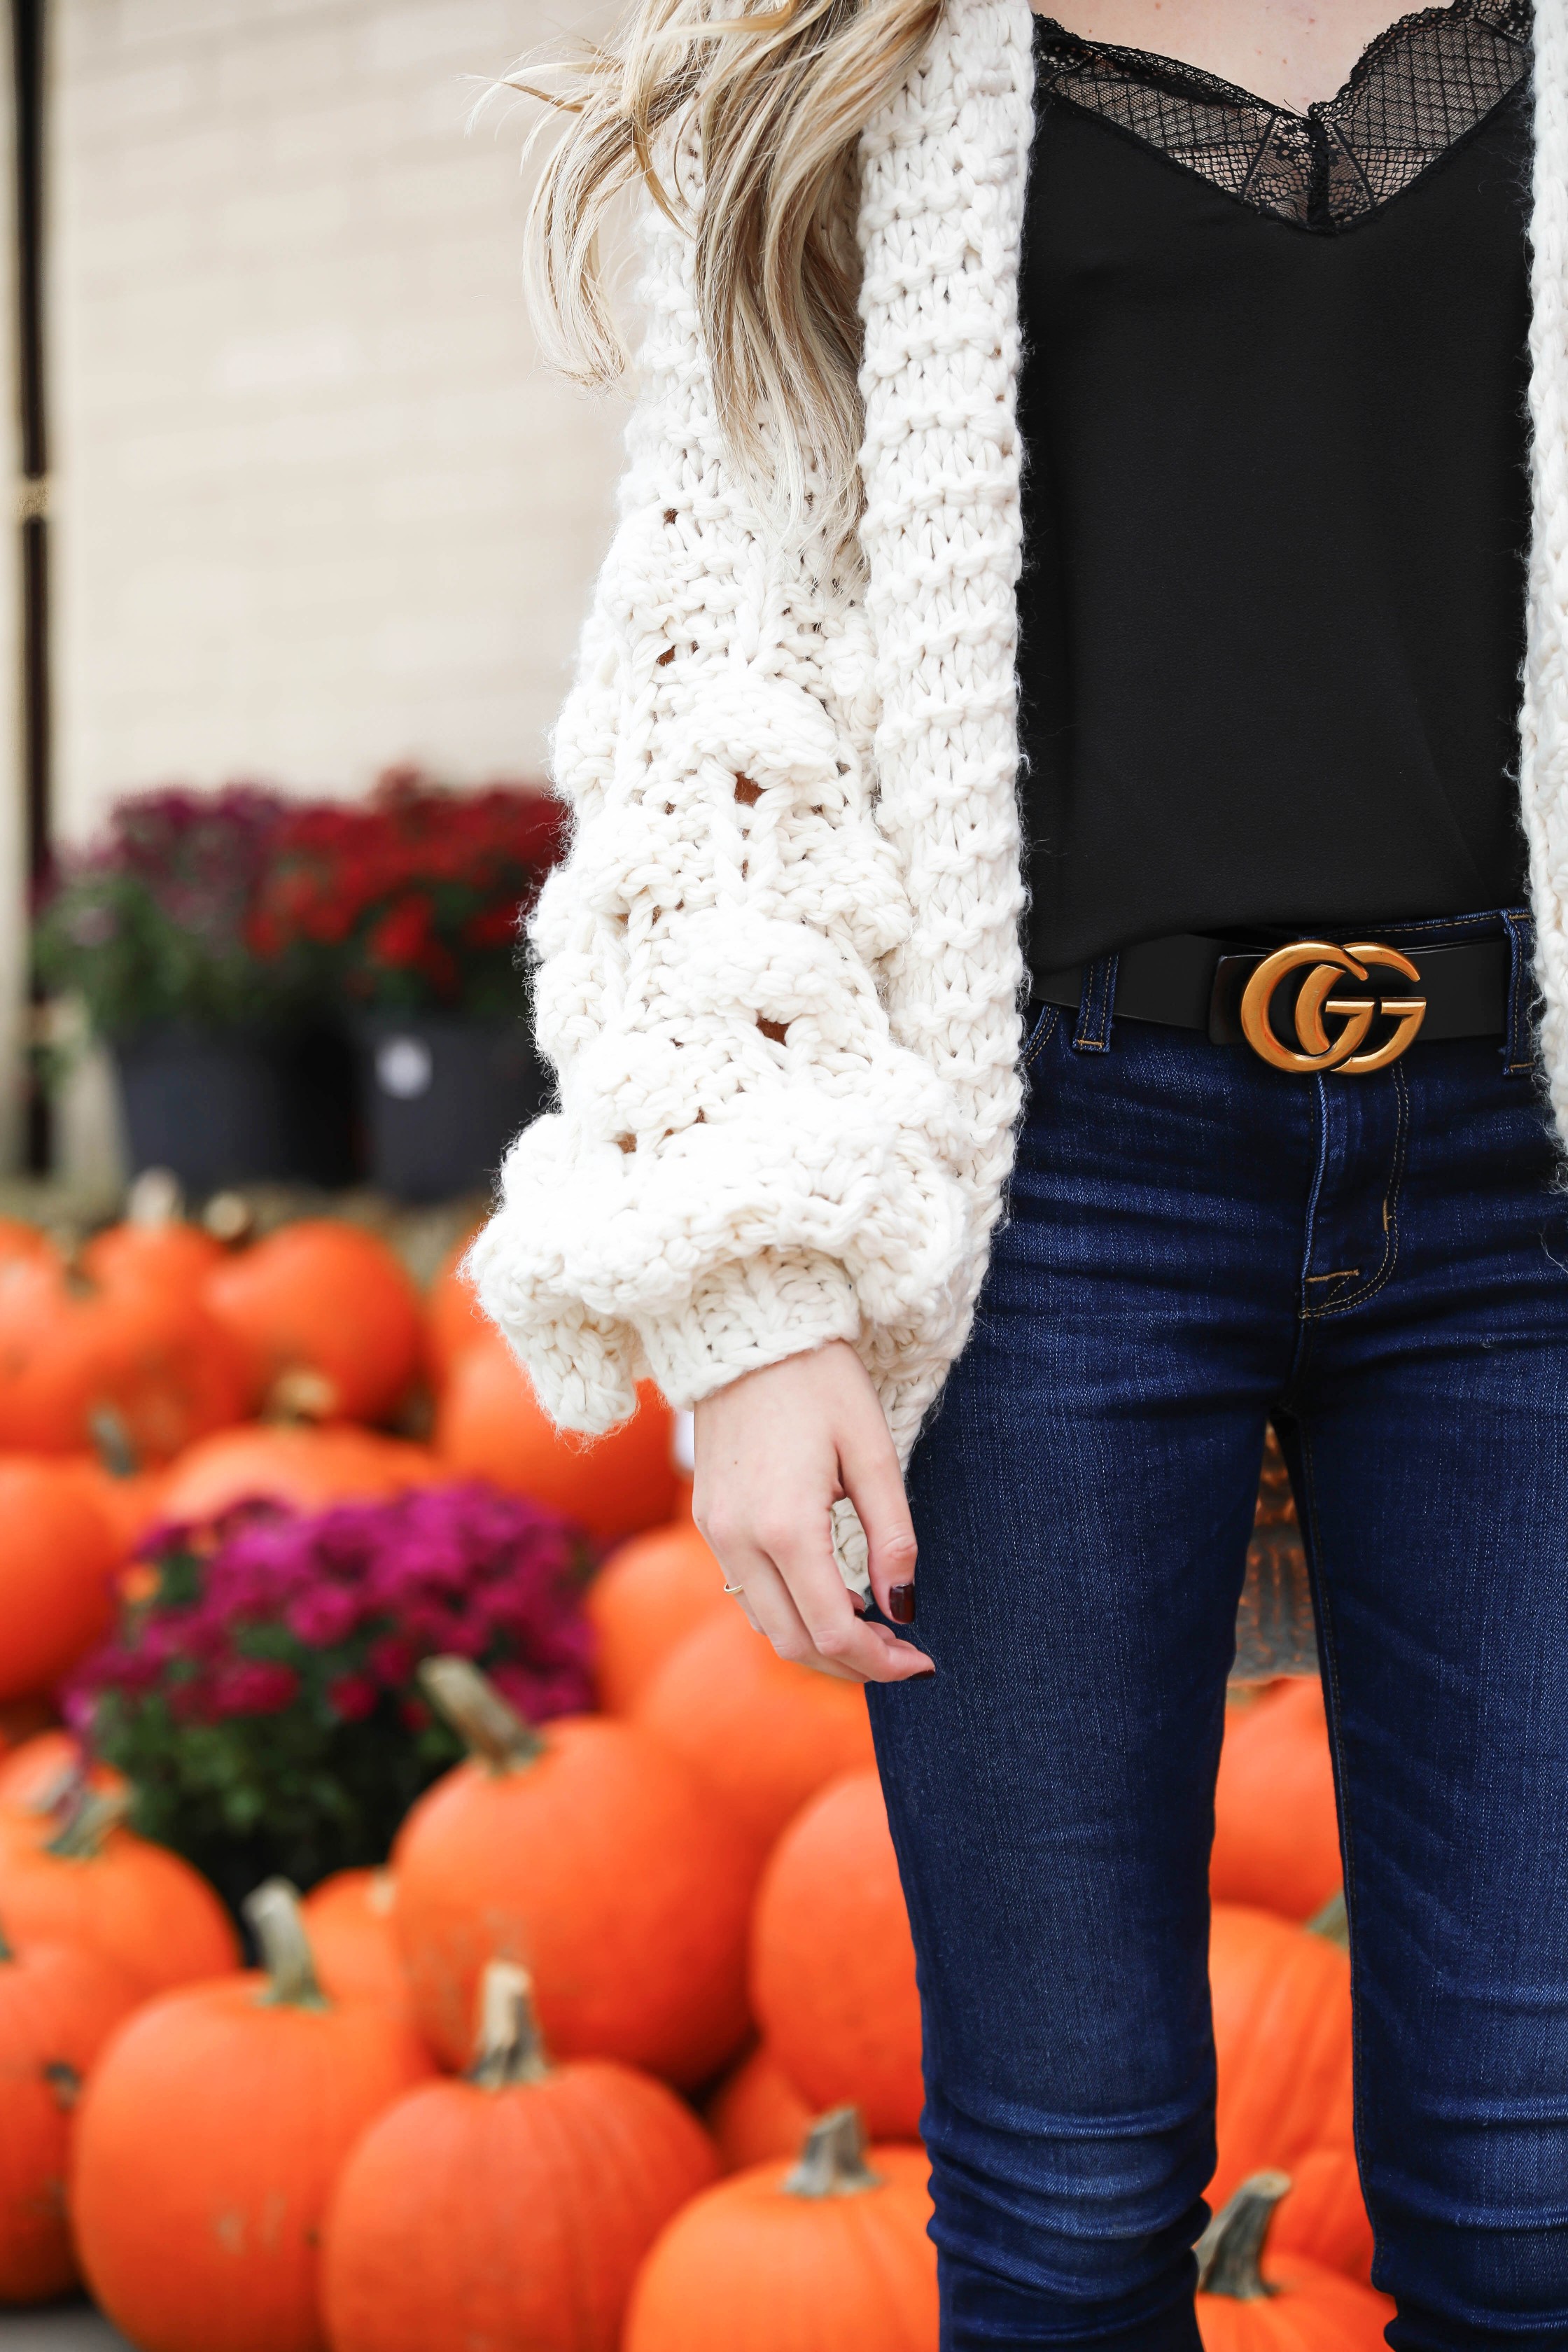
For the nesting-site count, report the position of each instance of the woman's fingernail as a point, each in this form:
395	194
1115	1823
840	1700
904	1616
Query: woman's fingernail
901	1604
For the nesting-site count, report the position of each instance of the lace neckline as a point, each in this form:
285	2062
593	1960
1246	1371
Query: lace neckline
1417	89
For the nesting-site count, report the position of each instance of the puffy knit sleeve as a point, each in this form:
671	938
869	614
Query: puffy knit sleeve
743	1164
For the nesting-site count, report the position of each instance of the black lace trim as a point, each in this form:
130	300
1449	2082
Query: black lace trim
1415	91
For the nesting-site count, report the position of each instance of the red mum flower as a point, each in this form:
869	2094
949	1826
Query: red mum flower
402	937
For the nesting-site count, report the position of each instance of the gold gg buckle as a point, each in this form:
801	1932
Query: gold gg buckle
1330	965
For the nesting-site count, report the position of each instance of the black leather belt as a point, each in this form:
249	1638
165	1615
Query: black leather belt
1190	981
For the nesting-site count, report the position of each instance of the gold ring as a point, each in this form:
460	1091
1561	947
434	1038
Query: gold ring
734	1588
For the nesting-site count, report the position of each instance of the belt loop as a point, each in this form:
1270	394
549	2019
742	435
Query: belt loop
1518	1056
1092	1035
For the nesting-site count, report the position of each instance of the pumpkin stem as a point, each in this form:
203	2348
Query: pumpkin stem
273	1915
1229	2249
509	2048
113	1442
833	2158
154	1199
1333	1922
91	1817
492	1732
54	1794
300	1396
230	1218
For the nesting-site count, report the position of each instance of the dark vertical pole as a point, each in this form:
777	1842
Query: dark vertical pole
32	507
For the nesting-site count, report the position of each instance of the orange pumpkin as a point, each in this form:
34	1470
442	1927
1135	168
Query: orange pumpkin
209	2141
594	1859
1325	2215
1276	1831
833	1967
756	2115
57	1566
1251	2299
489	1424
348	1918
509	2207
766	1733
326	1318
58	2005
829	2251
77	1357
167	1251
20	1240
454	1319
652	1591
130	1501
87	1880
1282	2038
306	1468
37	1776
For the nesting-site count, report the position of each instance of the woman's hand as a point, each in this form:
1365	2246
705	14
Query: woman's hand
775	1450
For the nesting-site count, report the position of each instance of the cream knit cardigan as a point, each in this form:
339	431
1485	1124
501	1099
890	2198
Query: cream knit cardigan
779	974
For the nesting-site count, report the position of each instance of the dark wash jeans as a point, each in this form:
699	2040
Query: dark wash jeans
1195	1243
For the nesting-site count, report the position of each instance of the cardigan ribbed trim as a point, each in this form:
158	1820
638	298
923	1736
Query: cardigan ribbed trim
779	974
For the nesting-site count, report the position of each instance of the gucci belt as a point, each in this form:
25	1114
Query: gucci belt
1325	968
1282	1001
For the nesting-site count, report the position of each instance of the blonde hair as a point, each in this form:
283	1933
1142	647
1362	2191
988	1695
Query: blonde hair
777	99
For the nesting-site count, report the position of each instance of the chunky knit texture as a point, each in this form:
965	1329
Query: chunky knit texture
779	973
1543	726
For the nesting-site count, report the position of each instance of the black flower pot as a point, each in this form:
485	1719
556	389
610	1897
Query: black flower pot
230	1106
442	1098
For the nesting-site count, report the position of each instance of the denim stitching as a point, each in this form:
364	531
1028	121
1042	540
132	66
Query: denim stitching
1390	1240
1305	1310
1039	1035
1517	1056
1092	1035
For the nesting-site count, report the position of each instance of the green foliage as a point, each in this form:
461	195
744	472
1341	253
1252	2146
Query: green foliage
299	1794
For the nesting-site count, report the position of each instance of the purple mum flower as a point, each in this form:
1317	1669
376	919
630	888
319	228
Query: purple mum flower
351	1599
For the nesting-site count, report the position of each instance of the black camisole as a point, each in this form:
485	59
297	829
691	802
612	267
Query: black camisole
1276	506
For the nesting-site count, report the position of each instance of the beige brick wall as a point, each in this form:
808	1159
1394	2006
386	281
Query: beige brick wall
12	879
318	506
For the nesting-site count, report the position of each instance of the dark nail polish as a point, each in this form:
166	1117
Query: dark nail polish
901	1604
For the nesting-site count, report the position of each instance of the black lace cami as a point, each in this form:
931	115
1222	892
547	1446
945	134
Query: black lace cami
1276	504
